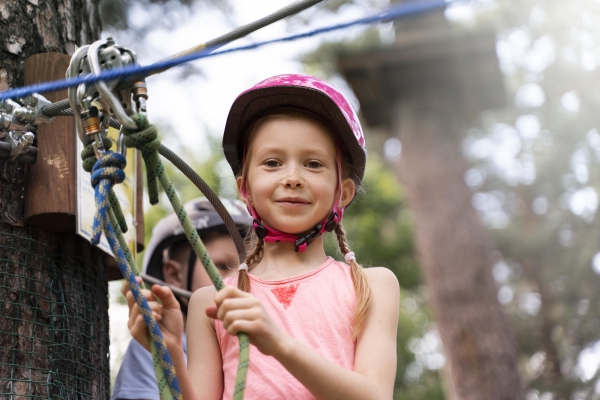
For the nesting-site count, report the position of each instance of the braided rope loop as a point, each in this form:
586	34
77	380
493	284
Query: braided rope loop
89	159
145	138
107	172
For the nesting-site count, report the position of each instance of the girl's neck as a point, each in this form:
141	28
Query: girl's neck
280	261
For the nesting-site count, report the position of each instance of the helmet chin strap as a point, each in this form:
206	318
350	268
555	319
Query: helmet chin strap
270	235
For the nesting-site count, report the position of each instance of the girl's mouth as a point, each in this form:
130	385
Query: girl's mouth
292	202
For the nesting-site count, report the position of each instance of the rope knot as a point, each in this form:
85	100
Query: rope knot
107	172
89	157
146	139
109	167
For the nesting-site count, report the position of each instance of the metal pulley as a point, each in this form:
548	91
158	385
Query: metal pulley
94	104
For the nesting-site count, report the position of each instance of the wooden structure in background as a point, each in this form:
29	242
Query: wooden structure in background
464	65
50	184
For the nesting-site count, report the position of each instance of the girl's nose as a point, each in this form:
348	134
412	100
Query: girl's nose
293	178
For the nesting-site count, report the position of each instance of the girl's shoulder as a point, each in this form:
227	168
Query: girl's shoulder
204	296
382	281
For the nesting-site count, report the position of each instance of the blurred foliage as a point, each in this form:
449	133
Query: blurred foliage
537	189
379	226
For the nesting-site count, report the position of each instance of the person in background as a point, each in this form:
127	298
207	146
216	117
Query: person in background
170	258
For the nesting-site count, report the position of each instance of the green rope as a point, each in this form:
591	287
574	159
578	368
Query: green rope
89	159
146	140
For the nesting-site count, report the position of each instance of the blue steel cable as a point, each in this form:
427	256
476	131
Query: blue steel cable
401	10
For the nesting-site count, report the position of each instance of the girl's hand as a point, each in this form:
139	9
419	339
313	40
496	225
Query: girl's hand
168	315
242	312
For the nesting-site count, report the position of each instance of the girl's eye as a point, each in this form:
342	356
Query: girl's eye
271	163
313	164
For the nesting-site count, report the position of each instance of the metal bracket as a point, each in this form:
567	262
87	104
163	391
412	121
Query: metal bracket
20	142
19	120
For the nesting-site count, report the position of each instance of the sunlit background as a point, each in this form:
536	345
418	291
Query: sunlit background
532	164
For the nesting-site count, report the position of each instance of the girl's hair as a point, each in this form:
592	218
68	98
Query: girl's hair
256	245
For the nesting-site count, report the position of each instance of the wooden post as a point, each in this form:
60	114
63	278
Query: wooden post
50	184
50	190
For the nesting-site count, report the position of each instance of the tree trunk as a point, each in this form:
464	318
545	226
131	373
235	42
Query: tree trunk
453	247
53	288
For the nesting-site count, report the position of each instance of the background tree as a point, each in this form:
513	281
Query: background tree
53	287
538	189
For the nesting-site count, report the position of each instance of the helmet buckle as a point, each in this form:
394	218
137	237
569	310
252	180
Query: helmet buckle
332	223
260	230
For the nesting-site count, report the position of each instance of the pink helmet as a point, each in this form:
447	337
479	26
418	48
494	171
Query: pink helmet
305	93
299	91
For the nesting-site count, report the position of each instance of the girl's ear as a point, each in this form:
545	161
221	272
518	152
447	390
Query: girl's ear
348	191
239	181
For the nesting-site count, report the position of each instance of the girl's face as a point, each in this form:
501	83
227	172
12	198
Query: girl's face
292	174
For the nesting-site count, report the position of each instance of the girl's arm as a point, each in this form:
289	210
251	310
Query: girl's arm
204	354
375	357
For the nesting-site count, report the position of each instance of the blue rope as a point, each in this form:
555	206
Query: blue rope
399	11
107	172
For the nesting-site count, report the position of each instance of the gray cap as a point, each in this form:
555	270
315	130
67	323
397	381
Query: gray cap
168	231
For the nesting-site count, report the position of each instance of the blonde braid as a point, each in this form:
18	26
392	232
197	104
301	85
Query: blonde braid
252	259
361	284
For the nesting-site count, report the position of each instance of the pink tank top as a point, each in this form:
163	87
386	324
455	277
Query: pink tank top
316	308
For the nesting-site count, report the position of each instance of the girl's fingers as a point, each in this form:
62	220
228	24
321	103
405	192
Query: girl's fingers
241	325
251	315
231	304
229	292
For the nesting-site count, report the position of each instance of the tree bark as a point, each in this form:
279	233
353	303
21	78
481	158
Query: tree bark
453	247
53	287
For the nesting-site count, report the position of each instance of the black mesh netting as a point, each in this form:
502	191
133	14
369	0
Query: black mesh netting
54	339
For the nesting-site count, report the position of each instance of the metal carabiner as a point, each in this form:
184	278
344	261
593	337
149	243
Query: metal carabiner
75	69
106	93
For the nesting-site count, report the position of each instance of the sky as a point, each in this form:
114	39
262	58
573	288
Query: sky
196	105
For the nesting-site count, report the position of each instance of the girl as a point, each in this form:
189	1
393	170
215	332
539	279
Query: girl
319	328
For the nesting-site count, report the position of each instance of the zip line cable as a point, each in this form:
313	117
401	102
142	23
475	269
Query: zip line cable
401	10
235	34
